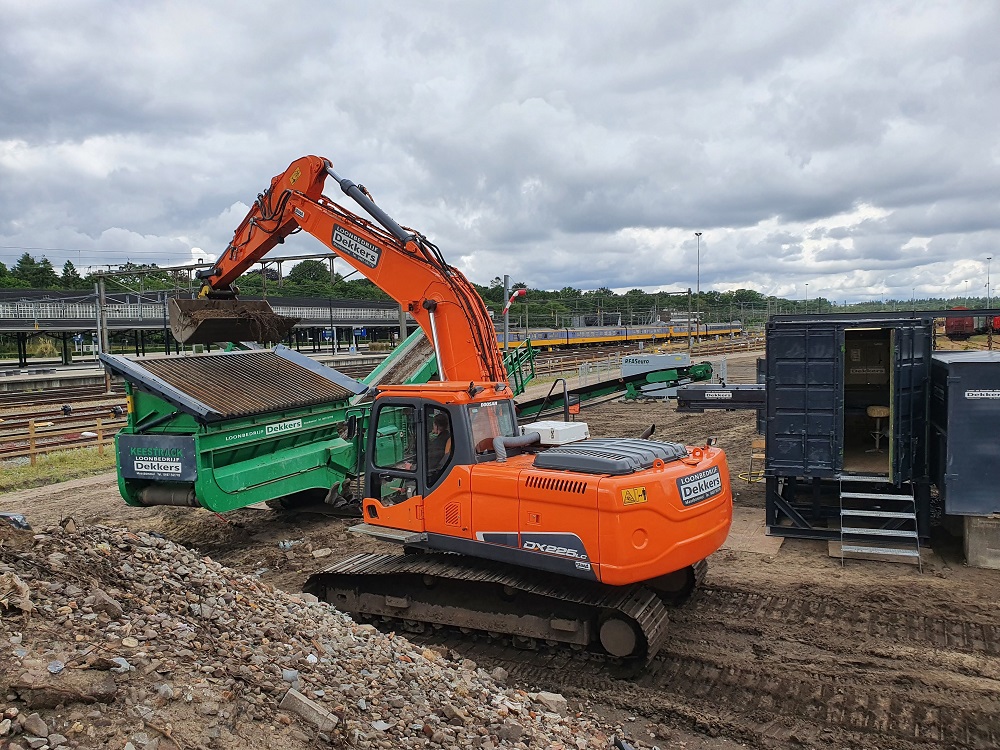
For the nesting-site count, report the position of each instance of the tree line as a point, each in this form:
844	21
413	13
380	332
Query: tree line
539	308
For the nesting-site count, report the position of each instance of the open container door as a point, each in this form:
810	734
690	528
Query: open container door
909	418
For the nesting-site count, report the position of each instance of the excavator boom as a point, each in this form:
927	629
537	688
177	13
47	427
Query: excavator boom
401	262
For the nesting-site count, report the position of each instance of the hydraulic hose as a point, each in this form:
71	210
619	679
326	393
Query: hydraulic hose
501	444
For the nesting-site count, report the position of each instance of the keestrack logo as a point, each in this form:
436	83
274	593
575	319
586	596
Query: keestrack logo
277	429
697	487
719	395
152	451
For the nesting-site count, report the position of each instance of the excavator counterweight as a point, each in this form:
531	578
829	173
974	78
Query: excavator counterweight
207	321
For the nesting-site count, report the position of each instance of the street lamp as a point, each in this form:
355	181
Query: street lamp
988	297
698	282
697	290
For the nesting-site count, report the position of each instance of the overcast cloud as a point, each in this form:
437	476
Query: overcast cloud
850	146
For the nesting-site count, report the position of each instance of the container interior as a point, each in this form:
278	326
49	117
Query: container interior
868	357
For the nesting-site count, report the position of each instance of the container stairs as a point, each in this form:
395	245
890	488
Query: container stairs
878	520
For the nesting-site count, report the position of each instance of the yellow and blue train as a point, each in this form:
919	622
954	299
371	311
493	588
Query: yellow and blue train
543	337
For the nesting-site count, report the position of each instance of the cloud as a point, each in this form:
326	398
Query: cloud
849	146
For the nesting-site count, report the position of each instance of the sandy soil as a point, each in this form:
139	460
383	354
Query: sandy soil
784	650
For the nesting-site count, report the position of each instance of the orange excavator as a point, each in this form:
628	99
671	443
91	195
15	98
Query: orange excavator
538	532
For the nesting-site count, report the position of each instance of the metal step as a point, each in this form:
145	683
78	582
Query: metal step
908	533
399	536
879	550
876	496
883	479
877	513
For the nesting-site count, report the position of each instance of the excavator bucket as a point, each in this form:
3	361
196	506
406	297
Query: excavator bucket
209	321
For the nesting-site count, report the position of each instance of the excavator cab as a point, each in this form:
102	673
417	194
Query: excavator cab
427	443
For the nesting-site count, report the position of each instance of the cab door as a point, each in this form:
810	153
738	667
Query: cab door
445	477
392	486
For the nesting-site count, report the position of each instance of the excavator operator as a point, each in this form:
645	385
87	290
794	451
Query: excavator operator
439	447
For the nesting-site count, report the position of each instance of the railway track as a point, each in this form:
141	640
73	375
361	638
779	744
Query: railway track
813	670
54	418
75	396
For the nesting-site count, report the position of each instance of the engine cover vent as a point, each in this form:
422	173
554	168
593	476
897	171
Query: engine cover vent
609	456
555	484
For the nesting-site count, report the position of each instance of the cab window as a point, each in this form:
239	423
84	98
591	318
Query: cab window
395	455
440	447
395	439
490	420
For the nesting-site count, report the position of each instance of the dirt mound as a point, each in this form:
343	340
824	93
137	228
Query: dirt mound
112	637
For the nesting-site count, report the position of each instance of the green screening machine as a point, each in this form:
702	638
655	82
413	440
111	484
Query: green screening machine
224	431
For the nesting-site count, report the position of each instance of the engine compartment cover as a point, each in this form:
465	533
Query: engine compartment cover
614	456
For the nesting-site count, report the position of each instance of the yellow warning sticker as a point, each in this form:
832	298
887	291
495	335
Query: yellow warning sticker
295	176
633	496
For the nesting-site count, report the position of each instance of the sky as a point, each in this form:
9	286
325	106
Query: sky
845	150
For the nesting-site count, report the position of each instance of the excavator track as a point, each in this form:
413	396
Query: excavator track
456	591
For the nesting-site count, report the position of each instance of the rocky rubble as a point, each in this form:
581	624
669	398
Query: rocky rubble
110	638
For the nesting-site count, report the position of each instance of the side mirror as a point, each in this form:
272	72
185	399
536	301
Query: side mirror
352	426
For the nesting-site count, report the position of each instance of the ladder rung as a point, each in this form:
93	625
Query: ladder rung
879	550
879	532
864	478
877	513
877	496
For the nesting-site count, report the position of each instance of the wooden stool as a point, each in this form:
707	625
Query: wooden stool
878	413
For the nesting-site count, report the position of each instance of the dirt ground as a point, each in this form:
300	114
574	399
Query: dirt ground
778	650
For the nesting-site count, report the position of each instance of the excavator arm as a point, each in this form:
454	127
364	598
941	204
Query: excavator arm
401	262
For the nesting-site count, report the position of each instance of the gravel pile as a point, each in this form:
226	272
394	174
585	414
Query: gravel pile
110	638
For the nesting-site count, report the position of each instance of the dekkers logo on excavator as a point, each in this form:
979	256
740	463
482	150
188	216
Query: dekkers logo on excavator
700	486
357	247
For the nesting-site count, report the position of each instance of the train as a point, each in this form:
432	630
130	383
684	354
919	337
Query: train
541	337
963	327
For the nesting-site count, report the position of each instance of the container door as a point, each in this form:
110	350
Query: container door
970	469
804	400
910	384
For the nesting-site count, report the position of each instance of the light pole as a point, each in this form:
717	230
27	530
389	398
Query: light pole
807	298
697	289
698	283
989	298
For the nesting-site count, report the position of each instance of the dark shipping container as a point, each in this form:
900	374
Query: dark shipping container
825	377
847	402
965	421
